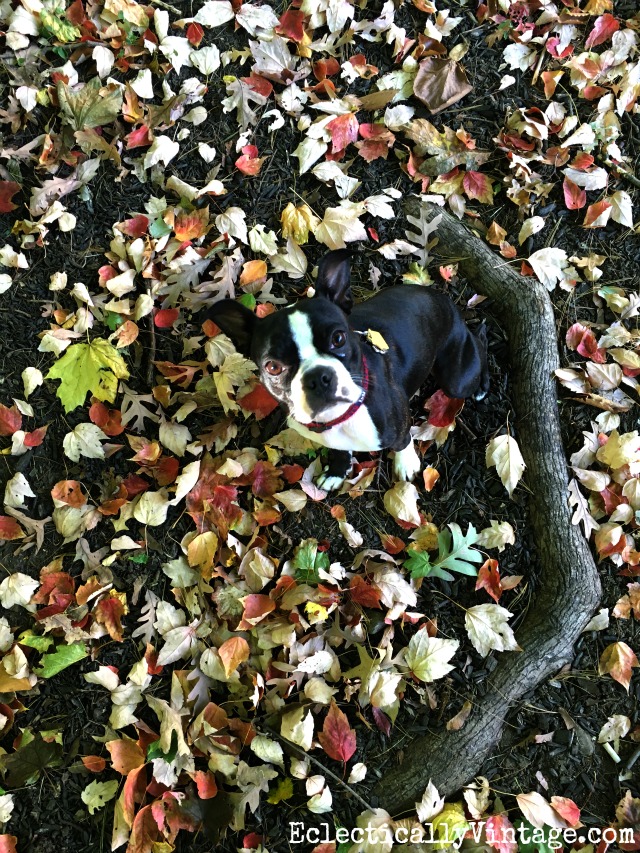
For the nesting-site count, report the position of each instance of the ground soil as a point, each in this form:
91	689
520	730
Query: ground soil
50	814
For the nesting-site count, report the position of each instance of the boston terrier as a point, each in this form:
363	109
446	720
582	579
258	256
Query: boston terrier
346	373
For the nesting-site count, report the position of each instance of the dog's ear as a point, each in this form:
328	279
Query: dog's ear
334	278
236	321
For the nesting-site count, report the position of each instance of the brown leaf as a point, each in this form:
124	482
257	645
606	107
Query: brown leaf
440	83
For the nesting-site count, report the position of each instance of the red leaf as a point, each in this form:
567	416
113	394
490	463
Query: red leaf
7	191
36	437
605	26
489	579
442	409
108	612
10	529
574	196
135	485
8	844
363	593
259	84
582	161
139	137
195	34
337	738
205	783
164	318
10	420
265	479
567	809
109	420
343	130
258	401
552	48
583	340
249	163
324	68
478	186
292	473
292	25
135	227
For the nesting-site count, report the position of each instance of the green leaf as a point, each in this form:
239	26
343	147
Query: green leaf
35	641
420	566
307	562
97	794
541	844
248	300
154	751
457	557
112	321
59	27
24	766
92	106
63	657
159	228
95	367
139	558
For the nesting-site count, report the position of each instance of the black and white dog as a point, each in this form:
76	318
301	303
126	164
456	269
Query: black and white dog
346	373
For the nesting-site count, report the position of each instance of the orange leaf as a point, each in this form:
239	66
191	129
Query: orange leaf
233	652
292	25
8	842
598	214
618	660
249	163
94	763
253	271
190	226
337	738
431	477
109	420
258	401
69	492
108	612
126	334
489	579
205	783
126	755
144	832
10	529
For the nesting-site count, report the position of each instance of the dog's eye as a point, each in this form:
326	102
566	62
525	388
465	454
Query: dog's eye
273	368
338	339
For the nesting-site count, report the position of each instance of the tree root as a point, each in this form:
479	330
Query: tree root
568	586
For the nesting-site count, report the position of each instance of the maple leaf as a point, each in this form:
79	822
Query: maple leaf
447	149
605	26
95	367
428	657
337	738
487	628
617	660
108	612
341	225
343	130
92	106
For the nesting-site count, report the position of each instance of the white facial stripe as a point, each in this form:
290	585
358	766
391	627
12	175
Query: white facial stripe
302	336
309	357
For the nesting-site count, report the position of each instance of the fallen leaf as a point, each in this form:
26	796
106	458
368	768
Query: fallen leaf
618	660
337	738
440	83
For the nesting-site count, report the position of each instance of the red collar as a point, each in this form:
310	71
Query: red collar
316	426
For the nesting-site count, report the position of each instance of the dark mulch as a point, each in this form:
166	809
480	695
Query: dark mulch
49	815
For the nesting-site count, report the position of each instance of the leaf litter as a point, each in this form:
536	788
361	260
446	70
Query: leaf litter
257	603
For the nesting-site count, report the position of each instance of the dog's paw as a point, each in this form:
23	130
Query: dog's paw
406	463
329	482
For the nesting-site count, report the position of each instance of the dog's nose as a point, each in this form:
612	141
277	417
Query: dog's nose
318	379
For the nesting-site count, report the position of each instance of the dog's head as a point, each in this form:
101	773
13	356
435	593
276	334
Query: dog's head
309	358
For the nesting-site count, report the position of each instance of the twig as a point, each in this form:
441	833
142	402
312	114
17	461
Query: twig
167	6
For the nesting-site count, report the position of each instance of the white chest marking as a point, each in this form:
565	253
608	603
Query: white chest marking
358	433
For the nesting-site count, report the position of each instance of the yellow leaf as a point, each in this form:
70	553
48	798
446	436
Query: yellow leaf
95	367
377	341
297	222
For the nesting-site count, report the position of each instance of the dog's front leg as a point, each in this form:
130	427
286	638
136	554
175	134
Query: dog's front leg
334	472
406	462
